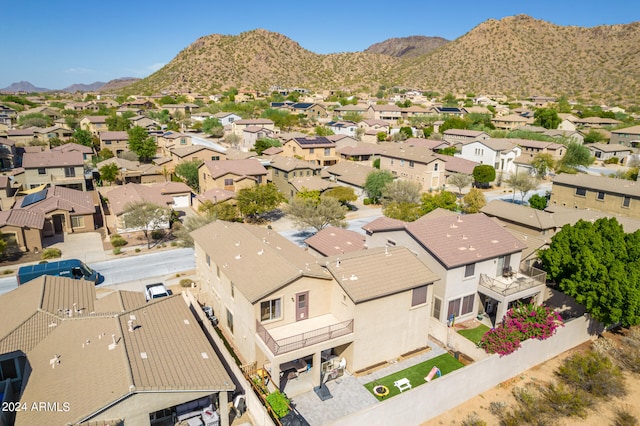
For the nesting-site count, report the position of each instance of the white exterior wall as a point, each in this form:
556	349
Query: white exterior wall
478	152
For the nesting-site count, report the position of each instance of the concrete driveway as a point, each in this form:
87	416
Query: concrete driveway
86	246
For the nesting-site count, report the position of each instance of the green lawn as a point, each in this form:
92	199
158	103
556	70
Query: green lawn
474	334
416	374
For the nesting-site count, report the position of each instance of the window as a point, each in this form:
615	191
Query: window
8	369
419	296
230	321
391	243
107	142
467	304
327	152
437	306
271	309
233	290
392	161
469	270
286	175
69	172
401	162
600	196
293	174
581	192
42	171
228	182
626	202
183	141
454	308
215	158
276	172
312	150
435	167
411	164
77	221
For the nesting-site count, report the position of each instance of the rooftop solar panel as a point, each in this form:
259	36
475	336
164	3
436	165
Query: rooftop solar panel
34	198
314	141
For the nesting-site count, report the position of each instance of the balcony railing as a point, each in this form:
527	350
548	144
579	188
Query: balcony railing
525	278
303	340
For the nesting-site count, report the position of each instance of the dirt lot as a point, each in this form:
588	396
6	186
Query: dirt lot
600	414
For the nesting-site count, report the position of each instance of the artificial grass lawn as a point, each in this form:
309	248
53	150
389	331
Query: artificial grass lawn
416	374
474	334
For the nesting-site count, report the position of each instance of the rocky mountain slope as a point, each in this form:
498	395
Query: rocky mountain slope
404	47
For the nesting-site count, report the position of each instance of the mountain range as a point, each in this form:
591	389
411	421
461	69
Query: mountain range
25	86
517	56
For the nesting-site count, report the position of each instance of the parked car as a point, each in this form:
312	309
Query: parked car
155	291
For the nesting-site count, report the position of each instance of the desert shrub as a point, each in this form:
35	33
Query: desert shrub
366	201
279	403
565	401
51	253
8	272
118	241
137	250
186	282
624	418
594	373
530	409
473	420
157	234
612	160
117	250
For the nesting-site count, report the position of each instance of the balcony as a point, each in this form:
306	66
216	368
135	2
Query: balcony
510	284
302	334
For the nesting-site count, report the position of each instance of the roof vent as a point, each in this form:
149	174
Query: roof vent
130	325
114	342
238	257
204	355
337	262
54	361
143	355
237	243
353	277
471	247
261	252
464	237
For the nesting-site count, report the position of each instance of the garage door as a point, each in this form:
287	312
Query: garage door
181	201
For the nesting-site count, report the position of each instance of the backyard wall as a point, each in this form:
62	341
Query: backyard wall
429	400
454	341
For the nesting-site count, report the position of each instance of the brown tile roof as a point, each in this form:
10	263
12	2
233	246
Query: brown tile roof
457	164
239	250
274	150
569	216
118	135
247	167
73	147
426	143
288	164
464	132
418	154
96	118
379	272
22	218
61	198
599	183
184	151
217	195
392	108
498	144
633	130
605	147
158	193
168	351
33	160
463	239
360	149
383	224
312	183
254	122
524	215
350	172
332	241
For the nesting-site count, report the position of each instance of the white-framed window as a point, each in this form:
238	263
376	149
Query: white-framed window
312	150
327	152
581	192
419	296
600	196
437	307
271	309
229	320
77	221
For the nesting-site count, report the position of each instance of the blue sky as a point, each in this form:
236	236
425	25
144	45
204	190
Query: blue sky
54	44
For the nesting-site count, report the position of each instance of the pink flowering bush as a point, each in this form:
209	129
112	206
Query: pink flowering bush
521	323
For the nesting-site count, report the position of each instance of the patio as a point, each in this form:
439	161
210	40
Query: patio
349	393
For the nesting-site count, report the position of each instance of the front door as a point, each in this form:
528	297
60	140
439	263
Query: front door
302	306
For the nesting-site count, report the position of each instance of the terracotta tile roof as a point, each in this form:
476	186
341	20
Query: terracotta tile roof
184	151
239	250
457	164
464	132
312	183
96	118
33	160
22	218
633	130
407	152
158	193
274	150
383	224
515	213
247	167
606	147
217	195
254	122
569	216
379	272
333	241
386	108
599	183
463	239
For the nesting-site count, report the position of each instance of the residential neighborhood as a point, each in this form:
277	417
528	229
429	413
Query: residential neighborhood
375	256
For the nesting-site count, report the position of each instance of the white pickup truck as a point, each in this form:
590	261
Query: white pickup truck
154	291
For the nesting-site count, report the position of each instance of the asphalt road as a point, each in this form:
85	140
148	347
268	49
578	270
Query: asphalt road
132	273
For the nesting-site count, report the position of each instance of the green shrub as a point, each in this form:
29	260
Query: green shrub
51	253
118	241
279	403
366	201
8	271
186	282
117	250
594	373
612	160
473	420
157	234
137	250
566	402
174	243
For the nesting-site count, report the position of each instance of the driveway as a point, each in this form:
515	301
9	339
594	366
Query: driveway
86	246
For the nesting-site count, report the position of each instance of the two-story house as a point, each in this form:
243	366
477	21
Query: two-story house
510	121
195	153
95	124
478	262
54	168
347	128
389	113
285	170
226	118
232	175
629	137
413	163
499	153
115	141
462	136
316	149
169	140
7	153
86	151
238	126
302	317
600	193
608	151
